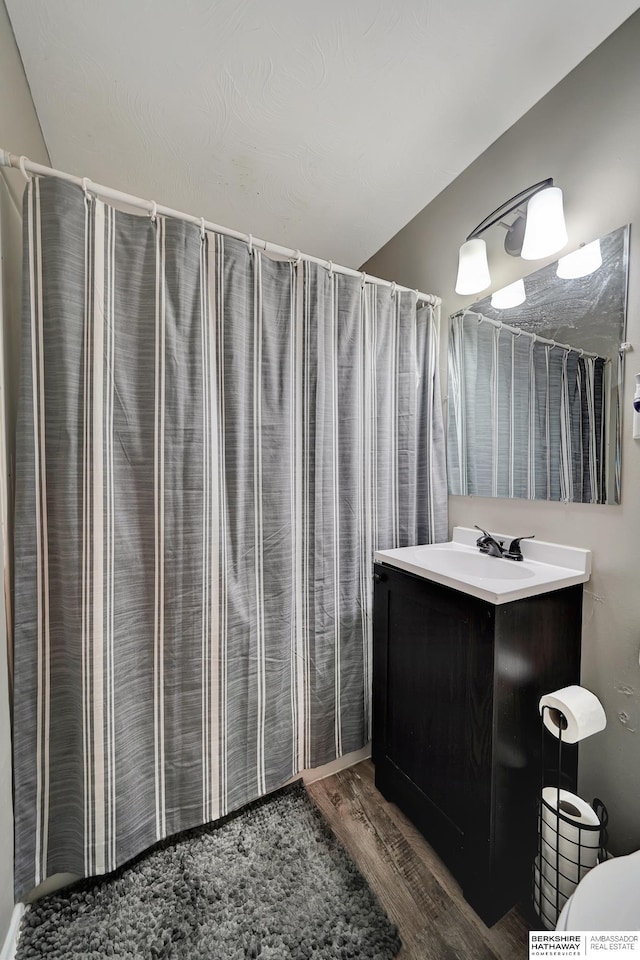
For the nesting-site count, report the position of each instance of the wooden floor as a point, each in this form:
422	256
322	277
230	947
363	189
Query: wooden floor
411	882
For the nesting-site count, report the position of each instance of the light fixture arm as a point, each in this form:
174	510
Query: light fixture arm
537	231
509	206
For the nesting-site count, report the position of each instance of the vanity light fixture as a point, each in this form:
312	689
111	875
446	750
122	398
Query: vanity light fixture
583	261
537	231
511	296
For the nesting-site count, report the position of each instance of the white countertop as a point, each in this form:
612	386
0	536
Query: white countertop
460	565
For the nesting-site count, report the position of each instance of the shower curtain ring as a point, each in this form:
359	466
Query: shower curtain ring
202	228
417	295
393	289
330	266
364	280
251	244
154	211
85	187
298	258
23	170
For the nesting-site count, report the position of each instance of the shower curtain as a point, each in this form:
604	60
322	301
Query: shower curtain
211	444
526	419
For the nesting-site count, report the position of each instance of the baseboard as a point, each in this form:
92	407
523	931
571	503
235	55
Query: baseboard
8	951
329	769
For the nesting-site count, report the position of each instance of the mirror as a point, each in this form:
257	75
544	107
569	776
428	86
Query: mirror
535	390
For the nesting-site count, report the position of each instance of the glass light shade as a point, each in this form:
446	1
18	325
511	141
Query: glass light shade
545	232
511	296
581	262
473	269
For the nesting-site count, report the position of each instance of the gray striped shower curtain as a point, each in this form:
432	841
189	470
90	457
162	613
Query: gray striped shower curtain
526	419
211	444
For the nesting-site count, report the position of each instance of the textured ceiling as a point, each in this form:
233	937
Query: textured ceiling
324	126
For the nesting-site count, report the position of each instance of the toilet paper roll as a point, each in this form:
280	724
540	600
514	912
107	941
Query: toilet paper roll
571	847
583	712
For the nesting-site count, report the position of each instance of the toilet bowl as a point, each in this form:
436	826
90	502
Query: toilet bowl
608	898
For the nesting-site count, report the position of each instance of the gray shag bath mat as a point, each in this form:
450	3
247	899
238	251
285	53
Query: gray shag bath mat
270	882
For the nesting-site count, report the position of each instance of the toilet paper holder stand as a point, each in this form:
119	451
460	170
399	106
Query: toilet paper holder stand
548	877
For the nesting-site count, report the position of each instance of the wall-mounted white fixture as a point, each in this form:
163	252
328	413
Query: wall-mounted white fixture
583	261
511	296
545	231
636	410
473	268
538	231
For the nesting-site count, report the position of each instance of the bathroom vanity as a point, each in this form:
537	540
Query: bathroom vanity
464	647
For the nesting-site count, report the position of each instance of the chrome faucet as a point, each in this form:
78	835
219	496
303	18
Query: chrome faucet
495	548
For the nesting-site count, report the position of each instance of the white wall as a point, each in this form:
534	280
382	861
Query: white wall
586	135
19	133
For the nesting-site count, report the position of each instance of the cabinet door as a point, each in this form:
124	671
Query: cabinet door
422	693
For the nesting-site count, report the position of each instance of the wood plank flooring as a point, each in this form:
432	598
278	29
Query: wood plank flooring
409	879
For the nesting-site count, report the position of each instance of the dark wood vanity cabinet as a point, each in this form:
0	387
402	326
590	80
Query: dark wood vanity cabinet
457	738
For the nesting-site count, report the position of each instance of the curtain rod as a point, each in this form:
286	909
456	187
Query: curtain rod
534	336
108	193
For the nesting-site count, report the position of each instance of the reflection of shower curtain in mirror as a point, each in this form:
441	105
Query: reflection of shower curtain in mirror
526	419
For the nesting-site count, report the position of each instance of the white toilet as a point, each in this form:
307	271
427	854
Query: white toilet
608	898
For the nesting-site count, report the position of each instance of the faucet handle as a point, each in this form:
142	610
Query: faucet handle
514	552
489	544
487	535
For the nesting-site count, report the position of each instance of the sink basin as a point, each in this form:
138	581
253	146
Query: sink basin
460	565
